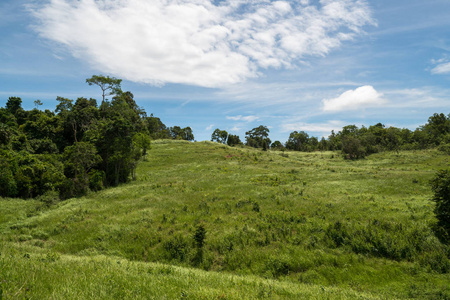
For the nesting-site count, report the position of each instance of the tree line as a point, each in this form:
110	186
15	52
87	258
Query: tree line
80	146
354	142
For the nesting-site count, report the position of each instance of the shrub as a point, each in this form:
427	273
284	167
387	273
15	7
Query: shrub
352	148
440	186
176	248
199	236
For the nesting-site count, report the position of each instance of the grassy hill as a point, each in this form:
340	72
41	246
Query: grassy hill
277	225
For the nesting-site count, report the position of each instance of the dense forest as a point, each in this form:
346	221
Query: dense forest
80	146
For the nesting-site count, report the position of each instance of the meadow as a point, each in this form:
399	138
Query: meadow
207	221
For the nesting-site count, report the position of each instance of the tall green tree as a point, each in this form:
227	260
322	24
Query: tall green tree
298	141
14	104
219	136
79	159
108	85
258	137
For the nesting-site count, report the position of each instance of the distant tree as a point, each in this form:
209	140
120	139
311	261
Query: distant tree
349	130
187	134
298	141
277	145
334	141
37	103
258	137
108	85
313	143
179	133
393	139
219	136
14	104
437	127
323	144
156	128
233	140
440	186
352	147
64	105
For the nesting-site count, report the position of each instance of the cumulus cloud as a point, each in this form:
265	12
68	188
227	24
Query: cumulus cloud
362	97
198	42
443	68
243	118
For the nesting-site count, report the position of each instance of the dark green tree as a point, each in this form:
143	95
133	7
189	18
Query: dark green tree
219	136
298	141
79	159
437	127
440	185
233	140
352	147
156	128
14	104
178	133
277	145
258	137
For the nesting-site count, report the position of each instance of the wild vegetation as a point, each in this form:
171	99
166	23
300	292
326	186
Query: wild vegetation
205	220
355	142
220	220
79	147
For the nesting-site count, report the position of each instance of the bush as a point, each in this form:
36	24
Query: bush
444	148
440	186
352	148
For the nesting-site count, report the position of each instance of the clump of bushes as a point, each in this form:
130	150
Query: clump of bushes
440	186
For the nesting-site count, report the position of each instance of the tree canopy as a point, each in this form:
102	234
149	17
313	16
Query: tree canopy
80	146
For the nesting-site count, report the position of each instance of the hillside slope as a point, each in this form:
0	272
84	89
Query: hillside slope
289	224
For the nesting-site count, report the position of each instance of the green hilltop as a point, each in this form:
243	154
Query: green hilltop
204	220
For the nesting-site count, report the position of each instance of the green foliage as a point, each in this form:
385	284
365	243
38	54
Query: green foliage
178	133
219	136
199	236
352	148
14	104
108	85
277	145
258	137
440	186
79	159
298	141
233	140
324	227
156	128
359	142
99	147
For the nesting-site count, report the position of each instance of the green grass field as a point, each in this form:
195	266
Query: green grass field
278	225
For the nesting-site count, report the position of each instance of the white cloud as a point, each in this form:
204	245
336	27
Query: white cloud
197	42
324	128
362	97
443	68
243	118
209	127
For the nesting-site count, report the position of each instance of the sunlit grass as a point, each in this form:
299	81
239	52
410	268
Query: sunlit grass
312	221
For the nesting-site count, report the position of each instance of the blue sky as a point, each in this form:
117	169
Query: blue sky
290	65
